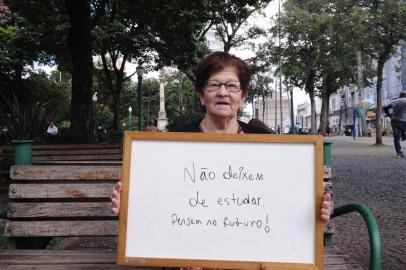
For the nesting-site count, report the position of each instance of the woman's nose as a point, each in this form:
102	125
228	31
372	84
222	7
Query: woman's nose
222	91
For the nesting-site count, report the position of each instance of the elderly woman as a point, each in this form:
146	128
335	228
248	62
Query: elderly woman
222	82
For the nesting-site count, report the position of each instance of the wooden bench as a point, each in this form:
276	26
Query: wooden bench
70	154
73	201
63	201
95	154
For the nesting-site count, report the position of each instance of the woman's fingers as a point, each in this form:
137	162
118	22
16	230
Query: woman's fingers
115	198
326	207
117	187
327	197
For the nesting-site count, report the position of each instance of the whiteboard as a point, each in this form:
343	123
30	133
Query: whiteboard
211	200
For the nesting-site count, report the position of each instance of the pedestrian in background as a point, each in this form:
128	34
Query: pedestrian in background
52	129
151	126
398	120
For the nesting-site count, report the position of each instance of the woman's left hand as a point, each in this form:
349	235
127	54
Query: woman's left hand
326	207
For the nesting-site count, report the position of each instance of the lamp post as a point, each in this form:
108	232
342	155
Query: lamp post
292	118
140	72
130	110
94	99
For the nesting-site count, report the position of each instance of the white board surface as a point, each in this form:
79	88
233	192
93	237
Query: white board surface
250	201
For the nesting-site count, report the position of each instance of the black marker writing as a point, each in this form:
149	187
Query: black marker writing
194	201
240	174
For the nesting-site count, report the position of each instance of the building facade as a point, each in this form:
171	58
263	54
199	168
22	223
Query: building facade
303	115
345	102
270	113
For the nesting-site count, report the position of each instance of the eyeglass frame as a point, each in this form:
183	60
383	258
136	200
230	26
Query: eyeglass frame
220	84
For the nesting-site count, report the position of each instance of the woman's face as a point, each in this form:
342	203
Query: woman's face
222	103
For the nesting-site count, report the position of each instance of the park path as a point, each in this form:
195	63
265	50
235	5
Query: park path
370	175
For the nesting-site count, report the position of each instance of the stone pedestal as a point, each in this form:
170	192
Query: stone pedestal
162	120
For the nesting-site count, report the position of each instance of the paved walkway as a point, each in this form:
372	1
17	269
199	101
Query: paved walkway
371	175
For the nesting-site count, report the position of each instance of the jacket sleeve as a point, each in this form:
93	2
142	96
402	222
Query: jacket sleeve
386	110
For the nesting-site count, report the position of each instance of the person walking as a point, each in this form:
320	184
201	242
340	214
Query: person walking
398	120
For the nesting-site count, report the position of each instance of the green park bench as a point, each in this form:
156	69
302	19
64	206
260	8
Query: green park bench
74	201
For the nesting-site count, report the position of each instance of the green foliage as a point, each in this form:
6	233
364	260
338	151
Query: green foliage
230	21
260	88
56	95
181	100
22	121
104	117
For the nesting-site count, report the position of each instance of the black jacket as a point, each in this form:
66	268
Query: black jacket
246	128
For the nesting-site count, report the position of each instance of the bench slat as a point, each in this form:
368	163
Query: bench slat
23	172
80	259
61	260
78	162
61	228
78	157
57	256
112	266
75	146
61	152
59	210
52	191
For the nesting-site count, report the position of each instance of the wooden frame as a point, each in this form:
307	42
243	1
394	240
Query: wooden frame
289	151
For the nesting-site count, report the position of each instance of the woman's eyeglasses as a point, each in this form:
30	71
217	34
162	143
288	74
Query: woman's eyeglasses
214	86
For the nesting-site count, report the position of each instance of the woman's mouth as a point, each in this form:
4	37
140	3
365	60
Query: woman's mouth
223	103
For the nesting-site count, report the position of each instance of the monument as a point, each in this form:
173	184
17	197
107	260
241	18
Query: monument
162	120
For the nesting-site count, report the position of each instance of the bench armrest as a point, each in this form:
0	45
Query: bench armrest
375	259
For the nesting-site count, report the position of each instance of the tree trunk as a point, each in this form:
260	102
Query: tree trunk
80	45
263	105
180	94
309	87
360	84
325	106
116	100
116	111
313	113
381	63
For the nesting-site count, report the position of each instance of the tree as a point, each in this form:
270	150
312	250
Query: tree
169	32
189	109
317	49
81	50
70	44
384	24
230	17
297	54
18	50
260	88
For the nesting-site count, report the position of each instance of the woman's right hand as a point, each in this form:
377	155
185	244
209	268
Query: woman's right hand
115	198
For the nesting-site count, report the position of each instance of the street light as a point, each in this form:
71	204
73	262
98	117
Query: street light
140	72
130	110
292	123
94	99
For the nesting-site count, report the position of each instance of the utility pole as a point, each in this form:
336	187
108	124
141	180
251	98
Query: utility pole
292	116
276	103
360	84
